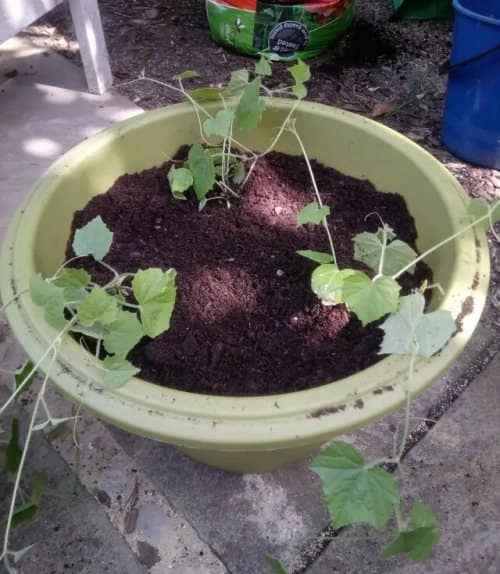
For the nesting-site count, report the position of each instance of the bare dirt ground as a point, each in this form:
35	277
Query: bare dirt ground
380	65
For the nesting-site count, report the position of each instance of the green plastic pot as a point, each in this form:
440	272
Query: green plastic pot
259	433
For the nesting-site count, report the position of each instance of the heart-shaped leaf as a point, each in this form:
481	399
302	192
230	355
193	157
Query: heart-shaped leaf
368	299
420	541
410	331
250	107
155	292
180	180
123	333
369	249
94	239
219	125
201	165
353	492
117	371
327	282
312	213
98	307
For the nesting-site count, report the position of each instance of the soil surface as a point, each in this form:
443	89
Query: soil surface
246	321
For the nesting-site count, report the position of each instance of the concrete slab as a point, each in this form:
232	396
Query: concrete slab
455	470
45	110
161	538
72	532
268	513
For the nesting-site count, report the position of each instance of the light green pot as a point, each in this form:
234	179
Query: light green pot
259	433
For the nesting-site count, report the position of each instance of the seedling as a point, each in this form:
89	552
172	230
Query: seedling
219	167
115	316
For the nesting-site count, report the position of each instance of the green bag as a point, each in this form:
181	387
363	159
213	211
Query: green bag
423	9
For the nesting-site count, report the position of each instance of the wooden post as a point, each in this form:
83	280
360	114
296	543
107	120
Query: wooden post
90	35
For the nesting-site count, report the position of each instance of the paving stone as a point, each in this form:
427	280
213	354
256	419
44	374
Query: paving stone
242	517
72	532
44	111
455	470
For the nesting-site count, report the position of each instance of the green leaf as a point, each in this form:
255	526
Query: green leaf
51	298
370	300
354	493
327	282
117	371
24	513
299	91
205	94
94	239
155	292
312	213
479	207
387	230
21	374
219	125
275	564
238	80
123	334
201	165
369	247
38	487
73	281
411	331
29	509
187	75
419	542
317	256
98	307
263	67
13	451
238	173
71	278
180	180
249	111
301	74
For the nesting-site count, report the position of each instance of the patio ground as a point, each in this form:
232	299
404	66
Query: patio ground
125	504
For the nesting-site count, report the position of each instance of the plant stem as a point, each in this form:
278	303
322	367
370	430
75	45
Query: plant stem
396	459
316	191
406	427
25	450
270	148
54	343
12	299
440	244
382	254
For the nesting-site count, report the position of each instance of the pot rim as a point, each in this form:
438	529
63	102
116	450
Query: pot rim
254	423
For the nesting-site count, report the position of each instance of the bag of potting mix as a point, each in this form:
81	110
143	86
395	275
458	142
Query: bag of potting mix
285	29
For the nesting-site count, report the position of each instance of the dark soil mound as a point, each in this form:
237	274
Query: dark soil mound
246	321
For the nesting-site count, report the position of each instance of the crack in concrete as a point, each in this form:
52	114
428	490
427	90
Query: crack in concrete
309	553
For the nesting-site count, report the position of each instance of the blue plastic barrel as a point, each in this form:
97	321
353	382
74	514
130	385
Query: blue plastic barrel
471	121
